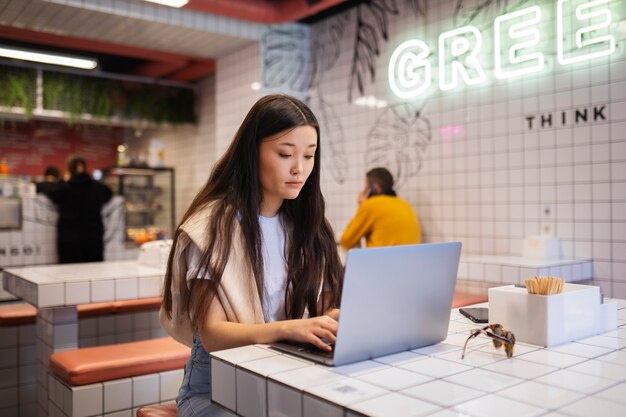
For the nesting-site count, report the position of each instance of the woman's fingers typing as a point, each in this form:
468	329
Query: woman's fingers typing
322	338
313	330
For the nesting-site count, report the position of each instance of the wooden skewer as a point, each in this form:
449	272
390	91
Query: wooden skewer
544	285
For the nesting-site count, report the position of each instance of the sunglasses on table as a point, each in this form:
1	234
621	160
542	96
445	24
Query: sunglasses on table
498	334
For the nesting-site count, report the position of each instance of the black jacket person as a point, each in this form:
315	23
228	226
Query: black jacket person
79	201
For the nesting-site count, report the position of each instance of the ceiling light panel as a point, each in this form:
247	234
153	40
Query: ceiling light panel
48	58
170	3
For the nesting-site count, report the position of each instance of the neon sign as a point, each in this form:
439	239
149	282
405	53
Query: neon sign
460	43
584	48
582	33
520	62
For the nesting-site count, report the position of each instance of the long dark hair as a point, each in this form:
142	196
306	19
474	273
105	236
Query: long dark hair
234	190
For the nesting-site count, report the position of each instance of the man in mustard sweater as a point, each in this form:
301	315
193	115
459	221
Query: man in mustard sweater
382	217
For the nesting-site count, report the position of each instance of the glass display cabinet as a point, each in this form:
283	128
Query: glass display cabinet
149	201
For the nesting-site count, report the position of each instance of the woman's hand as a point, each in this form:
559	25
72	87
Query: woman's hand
311	331
333	313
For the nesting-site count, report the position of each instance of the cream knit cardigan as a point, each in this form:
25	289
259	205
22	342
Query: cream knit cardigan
237	291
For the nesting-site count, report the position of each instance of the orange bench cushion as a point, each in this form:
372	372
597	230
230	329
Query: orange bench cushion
17	314
22	313
118	307
462	299
167	410
105	363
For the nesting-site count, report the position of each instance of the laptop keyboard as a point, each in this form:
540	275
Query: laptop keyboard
311	348
323	353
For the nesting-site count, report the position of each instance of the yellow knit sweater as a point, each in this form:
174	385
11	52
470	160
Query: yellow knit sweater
384	221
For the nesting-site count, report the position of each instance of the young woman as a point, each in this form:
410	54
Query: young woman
254	259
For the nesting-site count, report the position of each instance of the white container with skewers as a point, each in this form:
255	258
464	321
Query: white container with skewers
550	312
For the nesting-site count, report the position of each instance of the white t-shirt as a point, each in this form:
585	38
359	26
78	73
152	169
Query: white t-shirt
274	265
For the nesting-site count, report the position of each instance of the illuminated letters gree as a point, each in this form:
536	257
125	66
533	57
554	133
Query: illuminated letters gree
581	37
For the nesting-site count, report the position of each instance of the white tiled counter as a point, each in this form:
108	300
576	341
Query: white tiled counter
514	270
584	378
56	290
73	284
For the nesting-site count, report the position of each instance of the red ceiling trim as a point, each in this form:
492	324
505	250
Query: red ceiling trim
263	11
193	71
163	63
158	69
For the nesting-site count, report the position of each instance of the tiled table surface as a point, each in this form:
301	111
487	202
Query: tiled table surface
514	270
73	284
583	378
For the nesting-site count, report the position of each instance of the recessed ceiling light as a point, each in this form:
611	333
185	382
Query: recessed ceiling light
170	3
48	58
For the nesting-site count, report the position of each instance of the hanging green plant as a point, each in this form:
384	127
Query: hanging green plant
76	95
17	88
100	103
80	95
156	103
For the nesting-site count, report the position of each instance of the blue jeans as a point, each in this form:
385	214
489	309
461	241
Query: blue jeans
194	396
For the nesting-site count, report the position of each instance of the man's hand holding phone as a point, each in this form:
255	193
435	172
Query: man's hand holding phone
363	195
367	192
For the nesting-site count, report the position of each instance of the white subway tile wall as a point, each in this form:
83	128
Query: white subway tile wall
194	151
191	149
487	178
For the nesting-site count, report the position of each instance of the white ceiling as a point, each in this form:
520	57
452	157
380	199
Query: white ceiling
132	22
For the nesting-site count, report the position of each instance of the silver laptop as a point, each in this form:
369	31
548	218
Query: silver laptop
394	299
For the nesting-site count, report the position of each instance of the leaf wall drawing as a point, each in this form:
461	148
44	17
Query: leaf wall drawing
418	7
325	46
398	141
334	155
466	12
285	59
326	50
372	23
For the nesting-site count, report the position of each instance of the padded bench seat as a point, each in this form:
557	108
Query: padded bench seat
118	307
22	313
17	314
120	378
105	363
166	410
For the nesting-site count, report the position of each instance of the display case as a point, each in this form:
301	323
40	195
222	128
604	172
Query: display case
149	201
12	189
